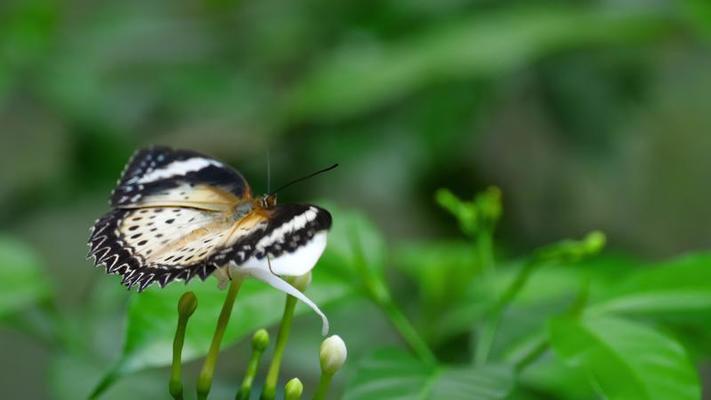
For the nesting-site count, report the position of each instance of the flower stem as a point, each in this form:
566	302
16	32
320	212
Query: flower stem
246	387
566	251
378	292
260	341
323	386
491	324
407	331
186	307
269	392
208	368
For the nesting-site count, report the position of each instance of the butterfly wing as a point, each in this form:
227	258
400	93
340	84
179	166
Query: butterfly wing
172	208
161	176
157	244
287	239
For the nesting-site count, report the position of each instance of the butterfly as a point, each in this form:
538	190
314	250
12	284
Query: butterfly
178	214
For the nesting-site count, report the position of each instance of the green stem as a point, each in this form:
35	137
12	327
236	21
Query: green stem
186	307
379	293
208	368
487	335
252	367
269	392
488	331
407	331
533	354
176	385
485	252
323	386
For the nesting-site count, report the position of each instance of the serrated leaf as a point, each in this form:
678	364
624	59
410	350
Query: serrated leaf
624	359
392	374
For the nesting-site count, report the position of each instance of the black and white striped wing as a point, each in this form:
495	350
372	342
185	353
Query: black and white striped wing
161	176
287	239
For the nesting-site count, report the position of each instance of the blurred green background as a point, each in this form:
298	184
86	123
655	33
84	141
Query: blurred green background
587	115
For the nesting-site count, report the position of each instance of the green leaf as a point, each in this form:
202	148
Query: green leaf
152	318
358	78
485	383
357	253
551	376
626	360
22	281
393	374
677	290
443	270
354	244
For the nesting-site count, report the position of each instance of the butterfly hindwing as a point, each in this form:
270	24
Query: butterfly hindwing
288	239
157	243
163	176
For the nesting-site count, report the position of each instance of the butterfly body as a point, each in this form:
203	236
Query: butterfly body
177	214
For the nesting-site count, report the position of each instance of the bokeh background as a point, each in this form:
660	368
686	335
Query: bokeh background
587	115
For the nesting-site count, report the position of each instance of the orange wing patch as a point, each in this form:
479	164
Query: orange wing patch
203	197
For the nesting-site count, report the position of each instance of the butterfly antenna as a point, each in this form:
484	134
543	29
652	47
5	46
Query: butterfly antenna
305	177
269	171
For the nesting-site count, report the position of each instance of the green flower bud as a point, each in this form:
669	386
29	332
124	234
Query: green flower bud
260	340
187	304
594	242
333	354
293	390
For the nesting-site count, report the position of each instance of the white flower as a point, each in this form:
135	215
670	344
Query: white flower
226	273
333	354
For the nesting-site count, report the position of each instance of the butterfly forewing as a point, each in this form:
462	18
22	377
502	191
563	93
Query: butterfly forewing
162	176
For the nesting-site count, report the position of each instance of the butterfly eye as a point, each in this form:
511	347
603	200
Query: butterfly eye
269	200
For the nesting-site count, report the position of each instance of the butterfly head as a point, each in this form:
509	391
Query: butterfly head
269	200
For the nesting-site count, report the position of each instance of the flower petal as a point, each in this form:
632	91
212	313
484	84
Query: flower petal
280	284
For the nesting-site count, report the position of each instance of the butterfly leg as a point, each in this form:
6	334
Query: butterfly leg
269	263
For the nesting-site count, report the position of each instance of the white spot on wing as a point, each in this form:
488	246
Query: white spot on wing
178	168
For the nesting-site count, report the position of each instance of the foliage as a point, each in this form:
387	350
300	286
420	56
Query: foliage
623	334
591	115
22	281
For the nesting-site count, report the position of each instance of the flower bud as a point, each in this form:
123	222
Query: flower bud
301	282
293	390
594	242
333	354
260	340
187	304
